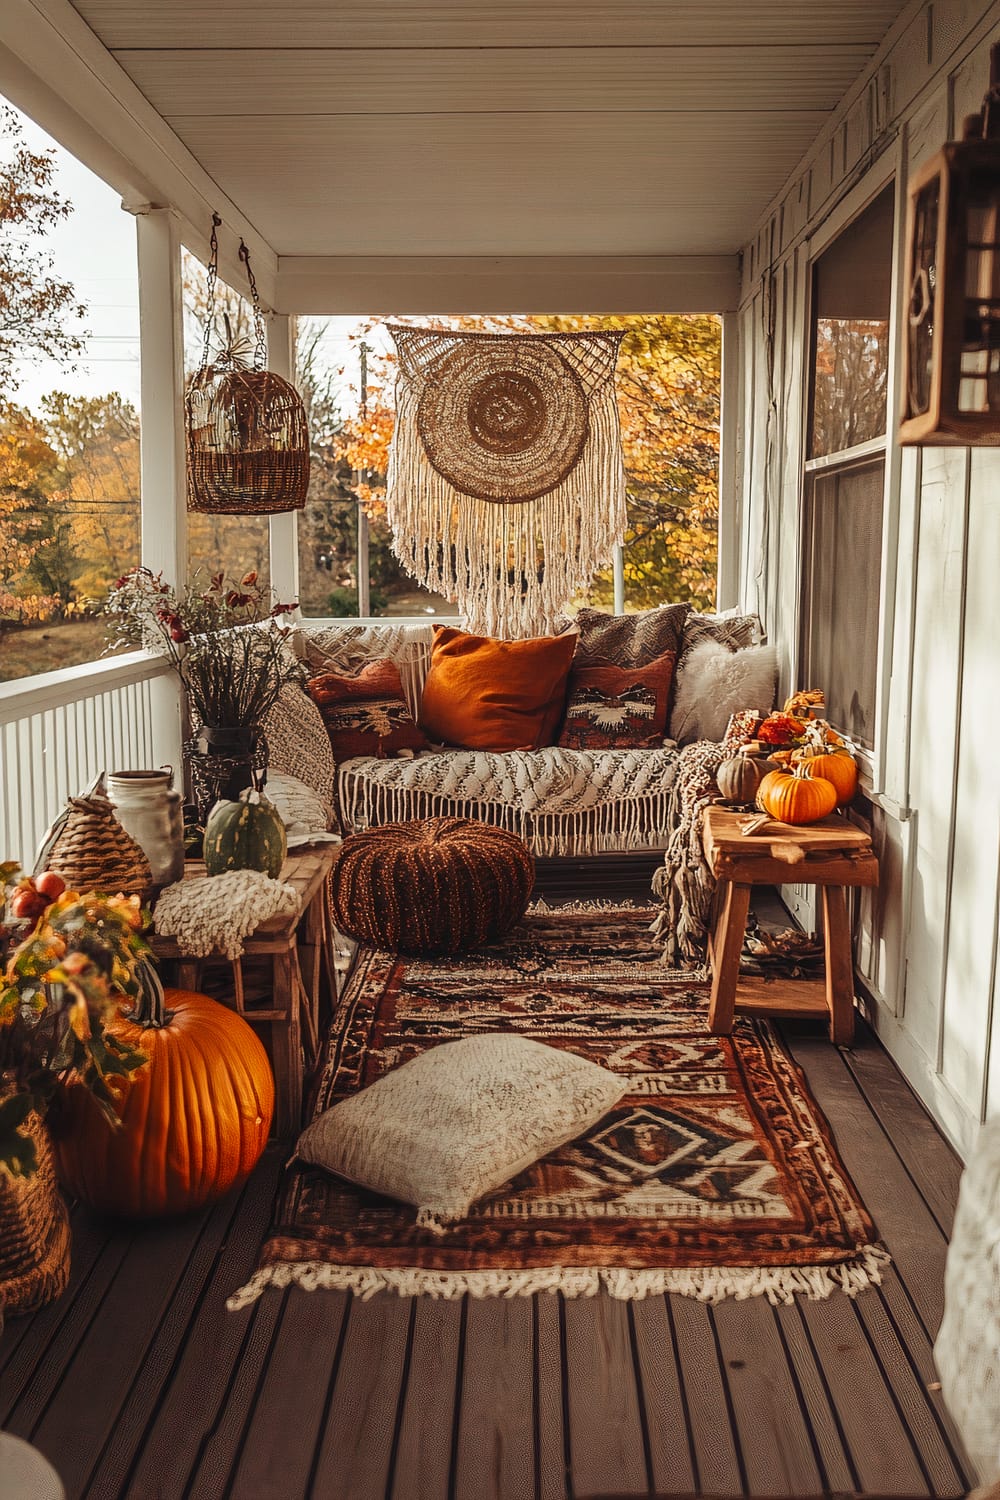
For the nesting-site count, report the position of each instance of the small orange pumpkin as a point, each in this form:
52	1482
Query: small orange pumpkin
839	767
795	797
195	1120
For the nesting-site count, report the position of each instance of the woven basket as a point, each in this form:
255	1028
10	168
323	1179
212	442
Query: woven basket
247	443
34	1232
93	852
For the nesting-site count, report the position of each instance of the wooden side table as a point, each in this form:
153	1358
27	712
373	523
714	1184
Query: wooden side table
831	854
299	950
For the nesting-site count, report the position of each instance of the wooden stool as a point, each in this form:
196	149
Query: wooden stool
831	854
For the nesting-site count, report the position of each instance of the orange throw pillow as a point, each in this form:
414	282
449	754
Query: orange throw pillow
495	695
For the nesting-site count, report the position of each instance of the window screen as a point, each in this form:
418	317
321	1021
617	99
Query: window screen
843	552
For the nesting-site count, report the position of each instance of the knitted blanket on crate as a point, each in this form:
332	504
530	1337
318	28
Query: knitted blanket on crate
590	800
684	882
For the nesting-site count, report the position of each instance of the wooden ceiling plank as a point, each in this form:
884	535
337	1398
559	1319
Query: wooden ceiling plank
373	23
372	81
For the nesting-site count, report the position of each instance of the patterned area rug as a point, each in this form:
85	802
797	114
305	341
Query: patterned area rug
715	1176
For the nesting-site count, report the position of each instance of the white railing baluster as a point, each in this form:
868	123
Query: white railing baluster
59	729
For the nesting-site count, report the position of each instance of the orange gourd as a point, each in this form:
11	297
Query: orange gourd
195	1120
795	797
838	768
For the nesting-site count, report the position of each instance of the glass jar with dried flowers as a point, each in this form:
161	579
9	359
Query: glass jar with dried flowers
228	644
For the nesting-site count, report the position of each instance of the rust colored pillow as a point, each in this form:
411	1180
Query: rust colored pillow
366	714
618	708
495	695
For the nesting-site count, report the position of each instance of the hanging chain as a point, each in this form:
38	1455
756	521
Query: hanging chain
213	273
260	342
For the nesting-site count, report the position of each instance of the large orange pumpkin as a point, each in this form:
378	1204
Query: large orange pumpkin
794	797
840	768
194	1120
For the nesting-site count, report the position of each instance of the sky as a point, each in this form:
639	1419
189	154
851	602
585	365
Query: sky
95	250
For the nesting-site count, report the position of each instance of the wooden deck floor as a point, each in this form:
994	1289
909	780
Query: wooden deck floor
138	1383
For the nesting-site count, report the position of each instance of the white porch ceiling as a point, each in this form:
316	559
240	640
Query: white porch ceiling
525	128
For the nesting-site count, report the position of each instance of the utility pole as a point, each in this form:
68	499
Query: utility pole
364	582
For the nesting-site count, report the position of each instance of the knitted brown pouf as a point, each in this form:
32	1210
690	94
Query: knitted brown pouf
431	886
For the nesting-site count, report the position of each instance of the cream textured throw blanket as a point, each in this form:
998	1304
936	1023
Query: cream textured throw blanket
597	799
216	915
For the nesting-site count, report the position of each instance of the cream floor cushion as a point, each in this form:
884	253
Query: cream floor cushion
457	1121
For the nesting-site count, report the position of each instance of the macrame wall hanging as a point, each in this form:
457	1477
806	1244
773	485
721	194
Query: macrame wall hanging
506	488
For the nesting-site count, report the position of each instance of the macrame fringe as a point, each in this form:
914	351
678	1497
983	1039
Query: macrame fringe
626	825
779	1284
511	569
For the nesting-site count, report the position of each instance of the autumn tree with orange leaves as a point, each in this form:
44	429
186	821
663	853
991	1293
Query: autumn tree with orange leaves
668	399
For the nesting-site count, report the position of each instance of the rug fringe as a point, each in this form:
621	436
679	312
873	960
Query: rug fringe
541	907
704	1283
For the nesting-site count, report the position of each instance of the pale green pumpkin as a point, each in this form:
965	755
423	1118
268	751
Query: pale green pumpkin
245	835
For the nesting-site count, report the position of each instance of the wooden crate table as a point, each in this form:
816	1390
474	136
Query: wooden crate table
298	949
831	854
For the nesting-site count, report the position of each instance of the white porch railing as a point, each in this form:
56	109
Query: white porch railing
59	729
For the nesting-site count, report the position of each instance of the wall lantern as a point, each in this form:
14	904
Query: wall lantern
951	386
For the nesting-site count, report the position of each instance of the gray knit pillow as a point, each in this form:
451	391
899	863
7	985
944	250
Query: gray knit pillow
734	631
629	640
298	744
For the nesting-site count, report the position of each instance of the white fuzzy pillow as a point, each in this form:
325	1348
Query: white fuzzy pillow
713	683
460	1120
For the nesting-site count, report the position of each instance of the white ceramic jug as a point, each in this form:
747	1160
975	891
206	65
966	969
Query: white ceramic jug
150	810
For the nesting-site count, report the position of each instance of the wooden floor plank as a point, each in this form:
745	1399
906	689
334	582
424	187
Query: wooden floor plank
667	1417
606	1419
933	1451
551	1437
200	1383
774	1437
902	1218
28	1400
834	1462
145	1391
716	1457
286	1421
423	1453
875	1435
356	1450
918	1347
496	1428
927	1156
75	1431
24	1342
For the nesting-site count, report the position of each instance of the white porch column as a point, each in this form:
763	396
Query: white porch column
163	489
727	578
284	528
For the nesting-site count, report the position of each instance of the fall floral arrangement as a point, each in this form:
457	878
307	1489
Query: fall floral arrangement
66	963
227	642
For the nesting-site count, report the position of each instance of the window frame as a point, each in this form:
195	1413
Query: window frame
888	170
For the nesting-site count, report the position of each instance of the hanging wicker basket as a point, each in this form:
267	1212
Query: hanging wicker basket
247	436
92	851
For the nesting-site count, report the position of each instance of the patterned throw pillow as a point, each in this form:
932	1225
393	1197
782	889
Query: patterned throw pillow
629	640
617	708
457	1121
366	714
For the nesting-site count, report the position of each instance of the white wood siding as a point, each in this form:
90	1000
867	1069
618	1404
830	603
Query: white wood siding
927	941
